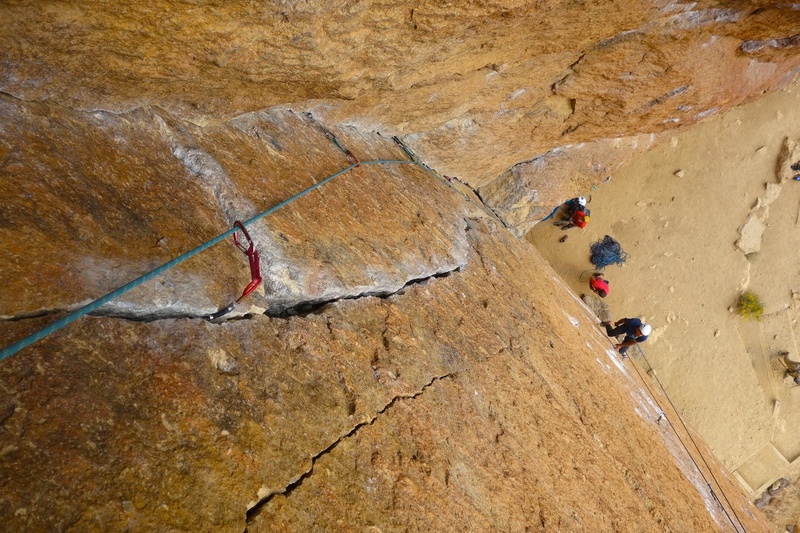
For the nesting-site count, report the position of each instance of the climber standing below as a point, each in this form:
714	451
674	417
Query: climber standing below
634	329
599	284
577	214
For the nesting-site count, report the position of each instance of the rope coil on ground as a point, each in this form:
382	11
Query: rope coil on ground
606	252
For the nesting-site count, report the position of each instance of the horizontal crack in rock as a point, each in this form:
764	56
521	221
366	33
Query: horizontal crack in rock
31	314
312	306
38	313
300	309
256	508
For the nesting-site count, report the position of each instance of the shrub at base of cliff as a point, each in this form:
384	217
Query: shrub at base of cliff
749	306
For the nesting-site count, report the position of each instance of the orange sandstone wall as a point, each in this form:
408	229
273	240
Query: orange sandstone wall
474	87
408	364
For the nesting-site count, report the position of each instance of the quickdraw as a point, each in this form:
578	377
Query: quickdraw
248	249
353	159
405	148
350	157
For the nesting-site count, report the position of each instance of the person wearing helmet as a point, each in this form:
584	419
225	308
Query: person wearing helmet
580	200
574	205
577	214
635	331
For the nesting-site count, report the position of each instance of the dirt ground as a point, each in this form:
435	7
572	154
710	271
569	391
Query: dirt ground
678	211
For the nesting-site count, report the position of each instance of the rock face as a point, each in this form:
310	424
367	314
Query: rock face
754	225
408	363
474	88
126	193
435	374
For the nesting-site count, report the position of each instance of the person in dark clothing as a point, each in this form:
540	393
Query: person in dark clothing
577	214
574	205
635	331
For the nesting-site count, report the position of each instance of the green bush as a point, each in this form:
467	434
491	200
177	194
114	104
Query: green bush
750	306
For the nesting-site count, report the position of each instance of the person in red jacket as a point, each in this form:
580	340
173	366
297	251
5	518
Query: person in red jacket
599	285
580	219
577	214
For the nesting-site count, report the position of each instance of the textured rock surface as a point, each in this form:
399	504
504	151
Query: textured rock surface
113	196
482	400
529	191
418	367
475	88
480	396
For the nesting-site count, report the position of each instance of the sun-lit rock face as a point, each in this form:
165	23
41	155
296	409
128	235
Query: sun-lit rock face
474	87
418	367
97	199
407	363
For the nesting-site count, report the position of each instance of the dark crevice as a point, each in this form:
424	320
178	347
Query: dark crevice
753	46
480	203
256	509
32	314
661	99
301	309
570	71
129	316
618	38
153	317
304	309
570	129
575	63
494	213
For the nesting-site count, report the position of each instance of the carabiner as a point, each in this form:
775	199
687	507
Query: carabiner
253	259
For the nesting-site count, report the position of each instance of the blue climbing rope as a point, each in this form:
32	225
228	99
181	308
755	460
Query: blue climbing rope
552	213
606	252
85	310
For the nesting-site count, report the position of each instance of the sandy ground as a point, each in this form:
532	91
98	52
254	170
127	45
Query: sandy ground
678	211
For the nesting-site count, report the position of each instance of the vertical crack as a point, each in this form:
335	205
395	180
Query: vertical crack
255	510
490	209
